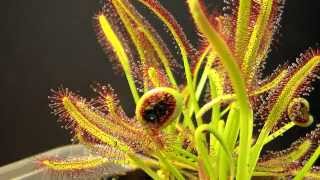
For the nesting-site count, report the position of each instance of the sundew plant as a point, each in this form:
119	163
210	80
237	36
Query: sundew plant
213	122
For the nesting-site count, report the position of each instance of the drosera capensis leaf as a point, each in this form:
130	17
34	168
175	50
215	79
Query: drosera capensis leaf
249	65
159	106
223	51
115	42
289	90
81	167
160	48
308	164
243	18
223	77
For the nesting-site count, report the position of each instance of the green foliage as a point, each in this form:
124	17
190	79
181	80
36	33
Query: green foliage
167	136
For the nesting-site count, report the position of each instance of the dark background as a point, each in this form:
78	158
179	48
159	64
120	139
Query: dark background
44	44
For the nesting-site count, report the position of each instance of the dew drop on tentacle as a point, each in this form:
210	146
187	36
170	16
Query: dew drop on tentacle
298	112
159	106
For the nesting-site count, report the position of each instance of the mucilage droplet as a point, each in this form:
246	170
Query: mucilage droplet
159	106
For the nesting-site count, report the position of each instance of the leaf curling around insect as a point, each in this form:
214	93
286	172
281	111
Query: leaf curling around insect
158	107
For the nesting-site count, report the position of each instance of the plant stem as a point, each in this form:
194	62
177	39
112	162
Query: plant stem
231	132
199	63
185	153
202	82
301	174
205	108
143	166
175	172
279	132
203	152
182	161
216	90
236	77
232	126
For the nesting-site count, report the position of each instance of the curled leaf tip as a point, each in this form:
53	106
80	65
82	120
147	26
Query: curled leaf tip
158	107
